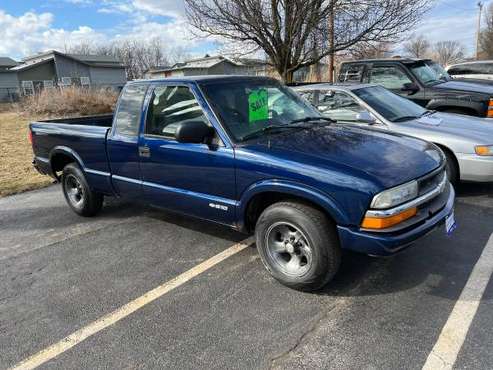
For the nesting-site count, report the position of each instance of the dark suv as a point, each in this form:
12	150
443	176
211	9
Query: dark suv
424	82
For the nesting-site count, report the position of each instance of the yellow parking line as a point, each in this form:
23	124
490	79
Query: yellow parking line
448	345
78	336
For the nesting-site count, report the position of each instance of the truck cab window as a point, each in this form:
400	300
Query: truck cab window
127	117
390	77
169	106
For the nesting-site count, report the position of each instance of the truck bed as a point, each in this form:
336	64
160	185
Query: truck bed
98	120
84	137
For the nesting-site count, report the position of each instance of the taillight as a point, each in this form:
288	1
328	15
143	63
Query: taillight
30	136
489	114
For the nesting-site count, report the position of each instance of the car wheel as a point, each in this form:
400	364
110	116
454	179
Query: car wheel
298	245
451	168
77	192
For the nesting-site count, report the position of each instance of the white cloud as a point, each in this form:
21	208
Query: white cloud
170	8
32	32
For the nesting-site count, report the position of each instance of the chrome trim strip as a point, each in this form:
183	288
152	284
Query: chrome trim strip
413	203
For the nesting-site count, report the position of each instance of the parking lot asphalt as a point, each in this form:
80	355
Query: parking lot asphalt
60	272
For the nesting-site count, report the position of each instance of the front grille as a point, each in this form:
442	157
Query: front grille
431	181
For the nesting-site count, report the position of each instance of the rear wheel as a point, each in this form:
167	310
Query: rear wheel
77	192
298	245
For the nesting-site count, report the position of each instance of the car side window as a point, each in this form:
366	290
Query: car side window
338	105
127	117
390	77
169	106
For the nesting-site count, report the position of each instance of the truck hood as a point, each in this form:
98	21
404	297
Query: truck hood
386	159
466	86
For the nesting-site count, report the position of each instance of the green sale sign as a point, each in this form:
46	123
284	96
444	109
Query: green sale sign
258	107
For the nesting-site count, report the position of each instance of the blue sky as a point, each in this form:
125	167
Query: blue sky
29	26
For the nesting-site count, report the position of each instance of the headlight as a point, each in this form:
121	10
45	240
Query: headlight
395	196
484	150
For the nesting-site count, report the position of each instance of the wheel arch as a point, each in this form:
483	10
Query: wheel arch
261	195
60	156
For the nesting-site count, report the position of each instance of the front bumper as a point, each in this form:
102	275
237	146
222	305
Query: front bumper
475	168
386	244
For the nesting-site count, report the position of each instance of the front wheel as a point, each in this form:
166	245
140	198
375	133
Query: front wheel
77	192
298	245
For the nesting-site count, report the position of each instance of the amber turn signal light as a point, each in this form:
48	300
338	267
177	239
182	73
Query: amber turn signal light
386	222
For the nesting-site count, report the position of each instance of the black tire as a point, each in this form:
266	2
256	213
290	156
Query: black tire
315	231
451	167
77	192
460	111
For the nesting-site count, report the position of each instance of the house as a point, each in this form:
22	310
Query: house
9	84
210	65
51	68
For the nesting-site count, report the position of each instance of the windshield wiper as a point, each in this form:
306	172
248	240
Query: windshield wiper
269	129
428	113
313	119
404	118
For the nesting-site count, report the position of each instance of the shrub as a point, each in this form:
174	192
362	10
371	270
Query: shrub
69	101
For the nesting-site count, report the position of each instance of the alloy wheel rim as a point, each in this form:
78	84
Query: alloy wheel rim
288	248
74	190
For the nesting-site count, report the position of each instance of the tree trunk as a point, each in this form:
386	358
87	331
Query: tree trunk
287	76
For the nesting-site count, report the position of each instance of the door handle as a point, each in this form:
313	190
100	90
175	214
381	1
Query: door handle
144	151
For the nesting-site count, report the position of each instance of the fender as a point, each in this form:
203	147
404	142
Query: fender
69	152
453	102
290	188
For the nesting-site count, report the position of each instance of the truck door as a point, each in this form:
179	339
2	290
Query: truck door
122	142
196	179
397	80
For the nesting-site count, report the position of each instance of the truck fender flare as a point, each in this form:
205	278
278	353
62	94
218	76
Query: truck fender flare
68	152
290	188
455	103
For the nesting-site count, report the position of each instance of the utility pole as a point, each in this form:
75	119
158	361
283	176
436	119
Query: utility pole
331	43
478	35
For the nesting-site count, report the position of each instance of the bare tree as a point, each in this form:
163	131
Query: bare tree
295	33
448	52
417	47
486	36
364	50
137	55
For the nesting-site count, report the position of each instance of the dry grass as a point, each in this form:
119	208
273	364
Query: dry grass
16	171
69	101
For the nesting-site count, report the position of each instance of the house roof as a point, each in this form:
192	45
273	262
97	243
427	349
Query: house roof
91	60
7	62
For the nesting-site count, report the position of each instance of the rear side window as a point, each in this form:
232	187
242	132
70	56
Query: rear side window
169	106
127	117
351	73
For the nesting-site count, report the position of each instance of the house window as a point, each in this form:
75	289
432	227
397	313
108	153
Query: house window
48	84
66	81
28	87
84	81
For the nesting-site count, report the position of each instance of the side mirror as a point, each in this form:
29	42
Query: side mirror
366	117
410	87
193	132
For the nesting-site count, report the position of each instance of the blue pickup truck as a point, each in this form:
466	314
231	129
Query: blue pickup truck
249	153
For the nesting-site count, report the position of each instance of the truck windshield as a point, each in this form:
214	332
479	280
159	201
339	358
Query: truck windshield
392	107
250	107
430	73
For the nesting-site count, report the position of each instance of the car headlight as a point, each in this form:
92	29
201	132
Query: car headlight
484	150
395	196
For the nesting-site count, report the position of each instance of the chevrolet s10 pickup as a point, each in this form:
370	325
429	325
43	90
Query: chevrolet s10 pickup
249	153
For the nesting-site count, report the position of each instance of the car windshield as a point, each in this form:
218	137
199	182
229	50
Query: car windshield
392	107
257	106
430	73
